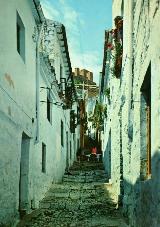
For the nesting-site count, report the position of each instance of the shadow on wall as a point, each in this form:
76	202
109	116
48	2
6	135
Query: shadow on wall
141	201
107	157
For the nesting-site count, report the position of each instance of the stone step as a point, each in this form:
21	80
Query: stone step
87	166
85	173
76	201
85	179
83	195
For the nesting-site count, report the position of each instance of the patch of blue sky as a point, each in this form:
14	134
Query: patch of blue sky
85	22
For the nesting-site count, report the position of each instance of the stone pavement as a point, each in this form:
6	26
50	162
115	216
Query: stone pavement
82	200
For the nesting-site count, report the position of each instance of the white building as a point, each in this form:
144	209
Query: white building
134	111
90	105
35	139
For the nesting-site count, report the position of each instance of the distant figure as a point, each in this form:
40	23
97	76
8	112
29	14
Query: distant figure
79	153
94	150
93	156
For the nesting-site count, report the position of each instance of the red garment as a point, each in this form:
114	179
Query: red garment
94	150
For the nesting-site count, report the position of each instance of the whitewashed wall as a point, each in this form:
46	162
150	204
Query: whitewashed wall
18	115
17	102
141	47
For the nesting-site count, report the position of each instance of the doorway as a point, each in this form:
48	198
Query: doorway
24	175
146	124
67	152
70	151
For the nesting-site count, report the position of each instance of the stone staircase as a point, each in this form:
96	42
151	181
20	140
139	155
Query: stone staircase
82	199
86	172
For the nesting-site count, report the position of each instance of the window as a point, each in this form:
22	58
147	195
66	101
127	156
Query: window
20	37
61	71
49	108
43	158
62	131
70	150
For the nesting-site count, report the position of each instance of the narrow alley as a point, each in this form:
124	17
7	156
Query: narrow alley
79	113
84	199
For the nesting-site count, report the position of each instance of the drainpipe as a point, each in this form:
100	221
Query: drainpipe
130	56
37	81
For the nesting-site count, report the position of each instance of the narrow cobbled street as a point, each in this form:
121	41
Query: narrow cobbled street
83	199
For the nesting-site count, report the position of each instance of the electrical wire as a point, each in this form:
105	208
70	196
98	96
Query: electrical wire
15	102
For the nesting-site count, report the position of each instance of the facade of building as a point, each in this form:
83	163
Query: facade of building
131	138
83	73
87	92
37	143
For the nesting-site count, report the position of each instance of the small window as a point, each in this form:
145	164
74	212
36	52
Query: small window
62	133
70	150
61	71
43	158
20	37
49	109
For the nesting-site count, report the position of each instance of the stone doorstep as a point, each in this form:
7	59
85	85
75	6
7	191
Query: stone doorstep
108	184
29	217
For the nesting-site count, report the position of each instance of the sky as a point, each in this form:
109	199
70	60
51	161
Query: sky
85	22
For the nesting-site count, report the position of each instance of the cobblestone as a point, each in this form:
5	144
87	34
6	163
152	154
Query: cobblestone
76	202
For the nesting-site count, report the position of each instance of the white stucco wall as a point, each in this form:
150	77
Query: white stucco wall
17	88
140	48
22	162
146	51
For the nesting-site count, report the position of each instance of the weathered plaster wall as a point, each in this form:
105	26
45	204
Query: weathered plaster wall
146	51
139	202
113	124
18	116
17	89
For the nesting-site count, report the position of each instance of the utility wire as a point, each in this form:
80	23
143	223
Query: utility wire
14	102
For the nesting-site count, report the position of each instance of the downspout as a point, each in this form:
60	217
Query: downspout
38	82
130	56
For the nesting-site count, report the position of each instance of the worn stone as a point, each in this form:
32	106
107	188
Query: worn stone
88	204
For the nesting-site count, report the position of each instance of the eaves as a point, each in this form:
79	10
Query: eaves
37	11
